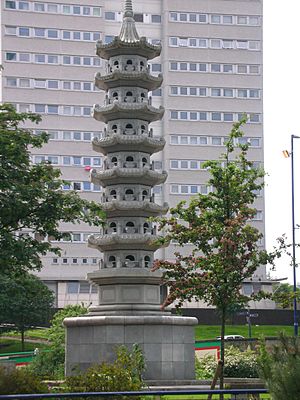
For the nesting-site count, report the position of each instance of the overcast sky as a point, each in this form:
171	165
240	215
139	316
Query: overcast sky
281	119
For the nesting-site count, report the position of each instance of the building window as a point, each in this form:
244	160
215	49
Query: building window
109	15
155	18
138	17
10	4
72	287
247	289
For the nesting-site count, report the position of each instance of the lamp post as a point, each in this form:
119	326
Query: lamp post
291	154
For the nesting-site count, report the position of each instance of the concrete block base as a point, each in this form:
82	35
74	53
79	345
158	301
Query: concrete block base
167	343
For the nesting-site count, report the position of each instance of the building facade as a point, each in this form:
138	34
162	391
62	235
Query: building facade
212	67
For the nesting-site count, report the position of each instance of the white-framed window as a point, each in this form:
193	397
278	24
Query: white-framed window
187	164
53	8
226	19
188	189
51	33
213	116
68	160
214	43
69	136
39	58
214	67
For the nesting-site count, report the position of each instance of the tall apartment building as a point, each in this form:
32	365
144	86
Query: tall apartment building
212	67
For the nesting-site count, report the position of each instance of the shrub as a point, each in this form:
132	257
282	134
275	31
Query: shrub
51	364
280	368
238	364
19	381
125	374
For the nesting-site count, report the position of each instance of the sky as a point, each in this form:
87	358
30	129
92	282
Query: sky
281	120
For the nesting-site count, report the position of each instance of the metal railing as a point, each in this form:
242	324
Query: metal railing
234	393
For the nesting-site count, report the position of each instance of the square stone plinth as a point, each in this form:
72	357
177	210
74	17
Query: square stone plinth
167	343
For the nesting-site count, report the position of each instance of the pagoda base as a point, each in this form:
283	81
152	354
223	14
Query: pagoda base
167	341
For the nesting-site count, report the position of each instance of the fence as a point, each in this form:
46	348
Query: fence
233	394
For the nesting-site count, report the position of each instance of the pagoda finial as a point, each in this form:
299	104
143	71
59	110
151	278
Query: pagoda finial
128	8
128	31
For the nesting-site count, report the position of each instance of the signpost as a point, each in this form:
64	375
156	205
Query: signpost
248	316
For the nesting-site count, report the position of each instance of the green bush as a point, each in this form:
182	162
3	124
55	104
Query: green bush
19	381
51	364
280	368
125	374
238	364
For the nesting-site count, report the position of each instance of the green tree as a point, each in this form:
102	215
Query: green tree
50	364
284	295
225	245
31	202
25	302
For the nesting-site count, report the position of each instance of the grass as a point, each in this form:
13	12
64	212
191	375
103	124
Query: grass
202	332
206	332
30	334
14	346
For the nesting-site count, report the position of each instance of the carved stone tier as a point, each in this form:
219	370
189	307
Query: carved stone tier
118	47
125	241
119	175
118	110
117	208
117	142
128	290
128	78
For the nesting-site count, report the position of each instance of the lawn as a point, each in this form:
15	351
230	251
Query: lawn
30	334
202	332
14	346
205	332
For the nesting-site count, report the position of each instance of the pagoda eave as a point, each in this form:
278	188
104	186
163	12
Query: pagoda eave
107	276
116	176
141	111
116	142
125	241
122	78
117	47
118	208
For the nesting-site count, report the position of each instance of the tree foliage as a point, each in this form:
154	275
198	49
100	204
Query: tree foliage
284	295
25	302
225	245
31	199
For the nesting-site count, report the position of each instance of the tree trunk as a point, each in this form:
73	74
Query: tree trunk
22	340
222	352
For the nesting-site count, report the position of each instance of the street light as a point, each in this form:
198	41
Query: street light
286	155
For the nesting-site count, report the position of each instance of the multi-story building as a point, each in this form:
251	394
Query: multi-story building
212	67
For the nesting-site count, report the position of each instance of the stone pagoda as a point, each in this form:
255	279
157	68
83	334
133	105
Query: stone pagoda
129	293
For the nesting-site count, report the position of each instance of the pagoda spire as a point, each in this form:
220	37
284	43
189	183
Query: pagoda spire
128	33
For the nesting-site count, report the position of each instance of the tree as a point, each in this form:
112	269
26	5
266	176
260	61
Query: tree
32	203
25	302
284	295
225	245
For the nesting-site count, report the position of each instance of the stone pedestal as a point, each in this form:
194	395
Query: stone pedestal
167	341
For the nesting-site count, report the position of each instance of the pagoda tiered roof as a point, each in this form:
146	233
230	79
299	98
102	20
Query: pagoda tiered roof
125	241
116	142
117	175
119	78
121	110
118	47
116	208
